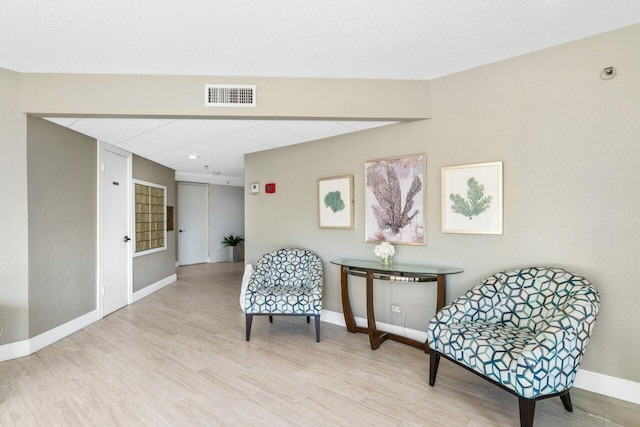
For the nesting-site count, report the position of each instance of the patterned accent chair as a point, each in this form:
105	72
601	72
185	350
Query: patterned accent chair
286	282
523	330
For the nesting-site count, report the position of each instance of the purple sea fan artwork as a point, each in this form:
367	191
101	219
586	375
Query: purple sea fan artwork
395	200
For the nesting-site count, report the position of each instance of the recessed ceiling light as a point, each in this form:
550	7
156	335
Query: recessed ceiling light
193	156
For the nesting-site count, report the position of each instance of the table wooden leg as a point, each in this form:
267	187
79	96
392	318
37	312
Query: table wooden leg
442	291
346	306
375	337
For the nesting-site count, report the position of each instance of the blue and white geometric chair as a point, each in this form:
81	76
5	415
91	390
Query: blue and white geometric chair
286	282
524	330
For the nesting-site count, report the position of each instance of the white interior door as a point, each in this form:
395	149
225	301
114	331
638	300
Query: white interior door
115	255
193	223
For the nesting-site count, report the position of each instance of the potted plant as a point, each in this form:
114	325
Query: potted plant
231	242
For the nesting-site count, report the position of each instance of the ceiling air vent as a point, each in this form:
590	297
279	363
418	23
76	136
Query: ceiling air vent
229	95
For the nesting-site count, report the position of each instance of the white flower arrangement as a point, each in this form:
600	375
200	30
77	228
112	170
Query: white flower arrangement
385	251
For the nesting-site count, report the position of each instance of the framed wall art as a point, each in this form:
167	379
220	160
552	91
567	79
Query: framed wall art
335	202
395	200
472	198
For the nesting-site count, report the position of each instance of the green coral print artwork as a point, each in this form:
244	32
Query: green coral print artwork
333	200
474	204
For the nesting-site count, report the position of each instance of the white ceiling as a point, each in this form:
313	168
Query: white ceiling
220	144
403	39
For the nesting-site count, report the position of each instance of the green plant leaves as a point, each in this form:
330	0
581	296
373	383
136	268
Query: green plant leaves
232	240
474	204
333	201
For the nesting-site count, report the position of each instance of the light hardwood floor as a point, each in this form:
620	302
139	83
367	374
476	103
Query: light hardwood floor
178	357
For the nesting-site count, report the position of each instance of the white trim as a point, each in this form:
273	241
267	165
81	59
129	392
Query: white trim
336	318
130	222
332	317
609	386
148	290
617	388
14	350
133	225
150	251
56	334
30	346
99	229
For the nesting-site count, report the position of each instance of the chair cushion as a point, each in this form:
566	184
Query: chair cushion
489	349
284	299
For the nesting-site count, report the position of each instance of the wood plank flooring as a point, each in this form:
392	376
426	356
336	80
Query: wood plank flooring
179	358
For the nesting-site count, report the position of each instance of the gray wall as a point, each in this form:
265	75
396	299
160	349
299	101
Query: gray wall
62	167
151	268
14	294
226	217
569	143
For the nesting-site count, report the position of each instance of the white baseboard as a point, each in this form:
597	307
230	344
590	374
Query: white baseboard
332	317
30	346
617	388
609	386
336	318
56	334
14	350
148	290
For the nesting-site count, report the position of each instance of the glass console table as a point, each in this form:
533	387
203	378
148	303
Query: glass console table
395	273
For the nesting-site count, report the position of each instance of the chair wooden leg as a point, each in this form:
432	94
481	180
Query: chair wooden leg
270	319
317	319
527	410
308	319
249	318
566	401
434	361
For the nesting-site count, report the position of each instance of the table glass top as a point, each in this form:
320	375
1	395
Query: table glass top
396	267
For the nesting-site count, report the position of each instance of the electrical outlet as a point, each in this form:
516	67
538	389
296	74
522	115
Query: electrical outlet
396	309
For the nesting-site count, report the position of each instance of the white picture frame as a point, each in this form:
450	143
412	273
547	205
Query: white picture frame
472	198
335	202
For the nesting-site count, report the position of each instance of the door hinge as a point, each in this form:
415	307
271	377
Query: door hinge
102	290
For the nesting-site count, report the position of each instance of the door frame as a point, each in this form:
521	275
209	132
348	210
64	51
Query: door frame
99	283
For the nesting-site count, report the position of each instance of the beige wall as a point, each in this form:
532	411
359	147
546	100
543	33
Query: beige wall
569	143
62	224
137	95
151	268
14	297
